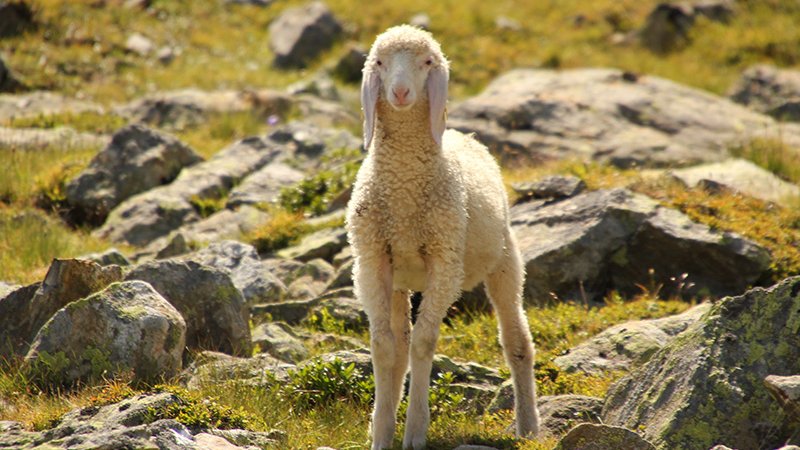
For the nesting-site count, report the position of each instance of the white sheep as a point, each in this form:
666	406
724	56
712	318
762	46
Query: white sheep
428	213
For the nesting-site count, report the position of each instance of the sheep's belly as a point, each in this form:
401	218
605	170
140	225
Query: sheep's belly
409	273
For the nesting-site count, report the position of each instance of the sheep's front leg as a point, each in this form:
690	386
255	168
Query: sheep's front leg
443	287
373	285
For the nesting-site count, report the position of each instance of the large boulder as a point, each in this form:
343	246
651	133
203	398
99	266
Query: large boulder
608	116
707	386
300	34
136	159
127	327
25	310
584	246
669	24
250	275
16	16
769	90
626	345
214	309
145	217
278	340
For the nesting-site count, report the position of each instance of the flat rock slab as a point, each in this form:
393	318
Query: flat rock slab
605	115
42	103
60	138
706	387
786	390
584	246
626	345
742	176
587	436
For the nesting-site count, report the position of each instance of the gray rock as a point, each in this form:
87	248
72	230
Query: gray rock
150	215
126	327
466	372
326	113
627	345
15	17
8	80
552	187
305	142
136	159
225	224
602	115
264	186
581	247
62	138
347	310
504	23
323	244
587	436
557	413
360	359
786	390
309	280
742	176
320	85
261	3
211	368
474	447
109	257
191	107
7	288
139	44
248	273
214	309
300	34
420	20
343	276
668	24
707	386
25	310
42	103
350	64
769	90
278	340
165	55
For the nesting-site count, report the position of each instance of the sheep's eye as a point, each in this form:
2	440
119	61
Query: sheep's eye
380	63
429	62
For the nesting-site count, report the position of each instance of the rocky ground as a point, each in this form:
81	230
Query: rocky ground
199	293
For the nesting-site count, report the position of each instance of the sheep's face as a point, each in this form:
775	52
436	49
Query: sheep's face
405	66
404	74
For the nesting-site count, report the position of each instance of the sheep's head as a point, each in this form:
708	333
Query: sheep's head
405	65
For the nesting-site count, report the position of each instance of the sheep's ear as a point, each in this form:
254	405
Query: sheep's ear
437	99
370	86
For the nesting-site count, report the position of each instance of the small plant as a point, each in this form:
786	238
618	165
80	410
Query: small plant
314	194
282	230
320	383
324	321
206	206
774	155
196	412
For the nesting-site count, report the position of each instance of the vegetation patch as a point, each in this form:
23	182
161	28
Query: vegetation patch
199	412
314	194
87	121
281	230
774	155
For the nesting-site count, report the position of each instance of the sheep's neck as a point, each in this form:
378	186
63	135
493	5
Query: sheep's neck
407	132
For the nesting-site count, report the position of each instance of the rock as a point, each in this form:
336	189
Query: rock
420	20
320	85
352	61
24	311
707	386
769	90
107	258
598	114
503	23
16	17
584	246
668	24
165	55
304	142
742	176
627	345
214	309
137	159
347	310
139	44
126	327
304	279
326	113
786	390
261	3
323	244
360	359
343	276
278	340
191	107
466	372
150	215
264	186
552	187
557	413
300	34
248	273
7	288
587	436
59	138
42	103
225	224
211	368
474	447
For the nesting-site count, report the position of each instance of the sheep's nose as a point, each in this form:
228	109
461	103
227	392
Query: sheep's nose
401	93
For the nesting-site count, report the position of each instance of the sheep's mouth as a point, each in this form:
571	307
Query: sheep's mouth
404	106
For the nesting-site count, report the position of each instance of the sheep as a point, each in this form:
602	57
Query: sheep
428	213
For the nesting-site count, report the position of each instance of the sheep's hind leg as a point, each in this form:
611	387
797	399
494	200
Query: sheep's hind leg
375	290
443	289
504	287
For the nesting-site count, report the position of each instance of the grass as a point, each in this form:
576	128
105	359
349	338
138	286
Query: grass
87	121
774	155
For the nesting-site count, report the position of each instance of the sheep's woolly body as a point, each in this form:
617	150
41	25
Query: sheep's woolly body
431	218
